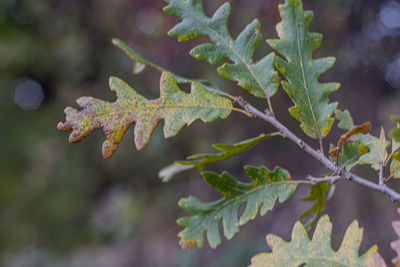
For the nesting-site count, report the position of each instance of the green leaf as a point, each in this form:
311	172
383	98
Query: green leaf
262	193
318	193
345	119
350	155
174	106
377	153
258	78
201	160
395	168
302	251
296	46
140	62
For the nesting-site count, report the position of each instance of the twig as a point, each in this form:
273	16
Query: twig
388	179
331	179
268	117
381	178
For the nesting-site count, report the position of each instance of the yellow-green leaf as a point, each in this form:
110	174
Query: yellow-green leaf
296	46
174	106
378	153
301	251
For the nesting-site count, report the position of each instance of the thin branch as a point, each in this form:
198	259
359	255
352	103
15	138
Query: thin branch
331	179
318	155
381	178
321	146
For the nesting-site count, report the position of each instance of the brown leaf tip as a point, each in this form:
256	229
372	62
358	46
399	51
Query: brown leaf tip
187	244
108	149
363	128
64	127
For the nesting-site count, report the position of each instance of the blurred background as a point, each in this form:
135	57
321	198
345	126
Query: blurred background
63	205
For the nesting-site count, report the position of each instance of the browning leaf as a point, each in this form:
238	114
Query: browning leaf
302	251
376	152
266	187
174	106
350	154
201	160
258	78
363	128
301	71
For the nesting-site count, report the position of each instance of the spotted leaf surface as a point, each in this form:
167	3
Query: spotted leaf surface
301	251
200	161
296	46
174	106
261	193
258	78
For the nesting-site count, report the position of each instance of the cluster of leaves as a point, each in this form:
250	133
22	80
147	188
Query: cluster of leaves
291	65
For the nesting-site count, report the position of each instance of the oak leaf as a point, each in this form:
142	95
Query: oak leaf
296	46
261	193
174	106
258	78
301	251
200	161
319	193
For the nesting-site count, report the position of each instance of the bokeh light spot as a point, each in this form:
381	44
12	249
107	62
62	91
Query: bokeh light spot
392	73
28	95
390	15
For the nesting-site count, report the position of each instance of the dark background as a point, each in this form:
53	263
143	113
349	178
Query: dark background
63	205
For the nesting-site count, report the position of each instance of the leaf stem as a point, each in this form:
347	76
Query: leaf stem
318	155
381	178
331	179
243	112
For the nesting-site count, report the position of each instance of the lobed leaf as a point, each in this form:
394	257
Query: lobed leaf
174	106
302	251
296	46
258	78
200	161
318	193
261	194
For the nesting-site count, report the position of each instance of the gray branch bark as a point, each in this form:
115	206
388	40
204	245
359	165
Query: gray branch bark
318	155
